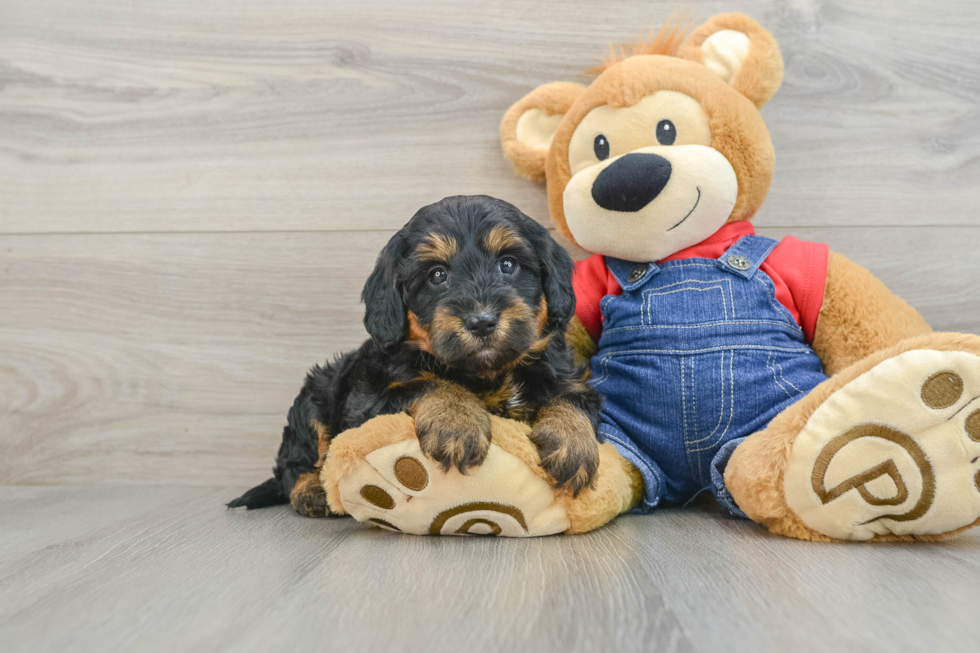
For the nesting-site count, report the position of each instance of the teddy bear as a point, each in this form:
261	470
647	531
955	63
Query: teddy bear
780	376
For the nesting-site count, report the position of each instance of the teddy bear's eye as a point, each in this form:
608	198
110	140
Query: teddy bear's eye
666	132
601	147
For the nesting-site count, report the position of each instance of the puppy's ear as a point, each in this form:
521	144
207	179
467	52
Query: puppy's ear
384	310
739	51
556	276
530	124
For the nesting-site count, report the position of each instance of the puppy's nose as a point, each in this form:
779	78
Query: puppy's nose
631	182
481	324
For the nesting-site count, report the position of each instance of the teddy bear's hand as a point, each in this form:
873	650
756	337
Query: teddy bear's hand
580	342
377	473
453	427
567	445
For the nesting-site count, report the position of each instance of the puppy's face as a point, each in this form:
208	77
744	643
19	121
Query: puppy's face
479	285
474	294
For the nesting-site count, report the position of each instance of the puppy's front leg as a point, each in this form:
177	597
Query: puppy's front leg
565	435
453	426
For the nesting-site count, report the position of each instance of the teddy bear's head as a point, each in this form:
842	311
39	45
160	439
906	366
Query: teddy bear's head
663	148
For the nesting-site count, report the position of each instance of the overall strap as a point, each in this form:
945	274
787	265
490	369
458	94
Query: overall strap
746	255
630	275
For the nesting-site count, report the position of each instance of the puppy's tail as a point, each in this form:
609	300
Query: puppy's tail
298	454
261	496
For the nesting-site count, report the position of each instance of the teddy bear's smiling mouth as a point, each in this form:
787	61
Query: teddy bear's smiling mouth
689	212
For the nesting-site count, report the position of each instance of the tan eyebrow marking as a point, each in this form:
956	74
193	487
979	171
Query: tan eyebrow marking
436	248
499	238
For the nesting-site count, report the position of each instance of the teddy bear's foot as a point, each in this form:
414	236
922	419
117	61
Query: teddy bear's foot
892	453
397	487
378	474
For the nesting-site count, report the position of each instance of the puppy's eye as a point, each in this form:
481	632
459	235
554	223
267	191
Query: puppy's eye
601	147
438	276
666	132
507	265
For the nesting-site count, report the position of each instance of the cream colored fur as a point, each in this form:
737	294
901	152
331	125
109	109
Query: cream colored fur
719	77
755	474
511	479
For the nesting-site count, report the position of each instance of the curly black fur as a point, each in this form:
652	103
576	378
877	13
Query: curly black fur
419	340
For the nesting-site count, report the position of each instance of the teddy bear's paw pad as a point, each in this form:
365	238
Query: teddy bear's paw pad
895	451
398	488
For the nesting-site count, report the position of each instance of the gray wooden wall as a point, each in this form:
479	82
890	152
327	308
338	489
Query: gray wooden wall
191	193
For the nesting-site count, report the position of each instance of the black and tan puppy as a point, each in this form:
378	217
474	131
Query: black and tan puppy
467	309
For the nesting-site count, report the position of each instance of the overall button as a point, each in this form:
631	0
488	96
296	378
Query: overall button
637	273
739	262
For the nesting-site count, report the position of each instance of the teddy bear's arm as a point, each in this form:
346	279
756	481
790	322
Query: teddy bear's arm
581	343
859	316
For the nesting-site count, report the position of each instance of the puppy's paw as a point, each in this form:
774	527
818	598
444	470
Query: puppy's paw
308	497
453	428
568	447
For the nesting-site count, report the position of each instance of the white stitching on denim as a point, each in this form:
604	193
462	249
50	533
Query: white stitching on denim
771	368
731	293
641	458
687	449
783	376
604	302
645	312
721	412
684	352
791	329
731	400
746	247
604	372
694	399
777	307
684	412
689	265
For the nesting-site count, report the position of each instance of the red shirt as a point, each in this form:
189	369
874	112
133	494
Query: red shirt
797	268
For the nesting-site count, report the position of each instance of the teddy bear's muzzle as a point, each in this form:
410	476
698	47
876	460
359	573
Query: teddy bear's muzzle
631	182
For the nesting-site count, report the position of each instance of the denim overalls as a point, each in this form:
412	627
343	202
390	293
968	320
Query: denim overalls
695	355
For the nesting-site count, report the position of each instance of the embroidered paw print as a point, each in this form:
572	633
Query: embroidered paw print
895	451
398	488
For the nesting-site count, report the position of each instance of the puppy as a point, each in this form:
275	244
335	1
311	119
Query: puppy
466	308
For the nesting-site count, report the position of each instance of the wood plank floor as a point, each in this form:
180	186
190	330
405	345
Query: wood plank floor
169	569
191	195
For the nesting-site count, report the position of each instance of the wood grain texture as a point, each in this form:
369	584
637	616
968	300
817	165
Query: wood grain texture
191	195
172	358
327	115
168	569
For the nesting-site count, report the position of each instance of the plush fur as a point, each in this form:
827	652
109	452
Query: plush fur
616	490
860	316
553	99
761	73
755	472
731	67
580	342
467	308
666	42
737	128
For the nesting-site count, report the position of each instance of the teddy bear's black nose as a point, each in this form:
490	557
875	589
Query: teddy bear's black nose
631	182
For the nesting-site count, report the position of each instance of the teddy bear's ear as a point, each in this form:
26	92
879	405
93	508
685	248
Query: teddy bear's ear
530	124
740	52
